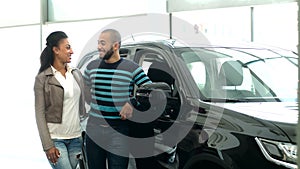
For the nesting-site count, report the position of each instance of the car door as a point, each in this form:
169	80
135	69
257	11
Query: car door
158	69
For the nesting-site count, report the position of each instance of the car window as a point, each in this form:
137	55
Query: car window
198	72
155	66
253	78
86	59
280	75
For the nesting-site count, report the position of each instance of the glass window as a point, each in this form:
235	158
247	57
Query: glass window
92	9
198	72
227	78
280	75
185	5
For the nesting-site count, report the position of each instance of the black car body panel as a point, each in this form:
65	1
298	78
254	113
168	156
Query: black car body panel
220	130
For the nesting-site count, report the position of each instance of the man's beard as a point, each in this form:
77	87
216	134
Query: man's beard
108	54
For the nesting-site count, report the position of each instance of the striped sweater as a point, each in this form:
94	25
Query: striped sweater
112	85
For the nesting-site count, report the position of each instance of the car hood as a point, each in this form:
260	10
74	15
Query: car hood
278	112
283	115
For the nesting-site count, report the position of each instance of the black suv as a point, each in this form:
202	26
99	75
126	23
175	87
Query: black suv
234	107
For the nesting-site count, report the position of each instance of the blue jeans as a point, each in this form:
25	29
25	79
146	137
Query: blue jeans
105	143
69	149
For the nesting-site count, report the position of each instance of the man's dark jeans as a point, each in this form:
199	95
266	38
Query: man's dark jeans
143	130
107	143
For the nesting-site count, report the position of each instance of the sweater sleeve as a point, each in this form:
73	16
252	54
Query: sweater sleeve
140	77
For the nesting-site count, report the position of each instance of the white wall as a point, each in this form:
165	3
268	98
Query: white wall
19	144
273	24
19	12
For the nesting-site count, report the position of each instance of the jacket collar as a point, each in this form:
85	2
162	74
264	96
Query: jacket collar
50	74
49	71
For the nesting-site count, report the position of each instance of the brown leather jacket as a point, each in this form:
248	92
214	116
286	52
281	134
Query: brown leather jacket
49	96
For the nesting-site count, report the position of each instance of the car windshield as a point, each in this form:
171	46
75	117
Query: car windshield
242	74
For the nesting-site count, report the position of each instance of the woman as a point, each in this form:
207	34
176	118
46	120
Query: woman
59	103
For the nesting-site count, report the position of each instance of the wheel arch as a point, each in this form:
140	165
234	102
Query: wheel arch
209	159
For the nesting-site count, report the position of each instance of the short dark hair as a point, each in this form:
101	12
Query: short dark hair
115	36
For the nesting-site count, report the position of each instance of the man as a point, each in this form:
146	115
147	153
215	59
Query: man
110	81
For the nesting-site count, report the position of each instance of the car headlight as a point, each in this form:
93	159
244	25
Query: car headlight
281	153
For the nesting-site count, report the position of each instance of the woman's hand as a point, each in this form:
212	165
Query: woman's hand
126	111
53	154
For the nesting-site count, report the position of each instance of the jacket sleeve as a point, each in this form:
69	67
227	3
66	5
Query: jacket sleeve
87	86
79	78
40	113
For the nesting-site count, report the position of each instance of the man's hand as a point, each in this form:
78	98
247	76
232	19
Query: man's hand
126	111
53	154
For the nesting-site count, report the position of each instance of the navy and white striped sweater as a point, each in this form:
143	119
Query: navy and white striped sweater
112	85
